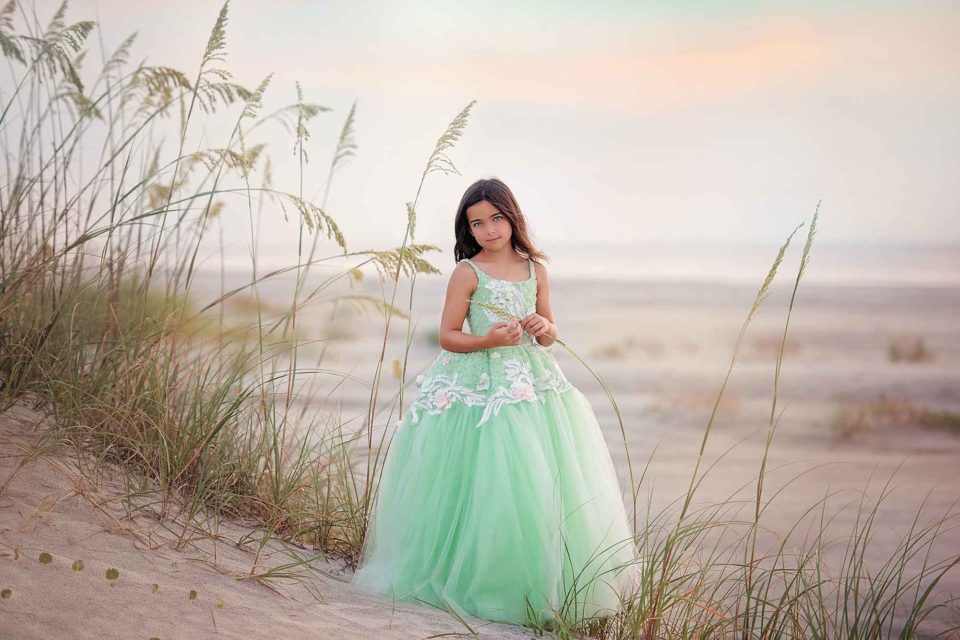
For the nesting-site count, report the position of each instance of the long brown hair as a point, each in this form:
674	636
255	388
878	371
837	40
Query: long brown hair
499	195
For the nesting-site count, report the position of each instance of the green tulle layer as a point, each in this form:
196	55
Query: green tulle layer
525	510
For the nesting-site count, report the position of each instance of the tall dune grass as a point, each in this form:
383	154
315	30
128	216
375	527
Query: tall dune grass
104	207
98	259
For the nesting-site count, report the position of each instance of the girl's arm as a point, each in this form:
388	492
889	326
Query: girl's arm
546	331
463	282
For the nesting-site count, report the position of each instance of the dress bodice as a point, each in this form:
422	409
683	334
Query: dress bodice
489	379
518	298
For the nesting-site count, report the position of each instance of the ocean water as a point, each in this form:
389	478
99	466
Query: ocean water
830	263
920	265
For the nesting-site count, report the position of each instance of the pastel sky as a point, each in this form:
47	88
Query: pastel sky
613	122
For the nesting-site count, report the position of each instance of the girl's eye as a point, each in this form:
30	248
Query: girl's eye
495	218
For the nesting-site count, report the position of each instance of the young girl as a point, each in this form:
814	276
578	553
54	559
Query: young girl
498	497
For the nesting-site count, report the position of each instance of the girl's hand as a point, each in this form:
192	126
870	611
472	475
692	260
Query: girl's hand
535	324
504	334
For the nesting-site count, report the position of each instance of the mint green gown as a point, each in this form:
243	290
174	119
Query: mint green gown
498	495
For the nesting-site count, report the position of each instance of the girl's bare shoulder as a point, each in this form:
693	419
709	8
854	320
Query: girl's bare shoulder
463	275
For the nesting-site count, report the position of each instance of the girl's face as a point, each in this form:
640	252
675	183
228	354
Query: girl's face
490	228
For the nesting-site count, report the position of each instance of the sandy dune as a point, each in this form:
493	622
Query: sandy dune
46	505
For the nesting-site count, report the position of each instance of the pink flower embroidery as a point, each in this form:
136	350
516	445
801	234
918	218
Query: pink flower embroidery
522	391
446	361
442	399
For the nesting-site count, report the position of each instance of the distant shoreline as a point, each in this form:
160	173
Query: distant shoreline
831	265
236	276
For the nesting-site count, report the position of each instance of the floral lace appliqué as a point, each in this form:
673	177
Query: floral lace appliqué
484	382
441	391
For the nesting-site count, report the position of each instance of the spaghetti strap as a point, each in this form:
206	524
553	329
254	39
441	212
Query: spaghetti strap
477	269
532	272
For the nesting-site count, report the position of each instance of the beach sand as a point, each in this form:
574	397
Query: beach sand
47	505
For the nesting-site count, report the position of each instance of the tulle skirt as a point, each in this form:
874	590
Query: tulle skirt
520	519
